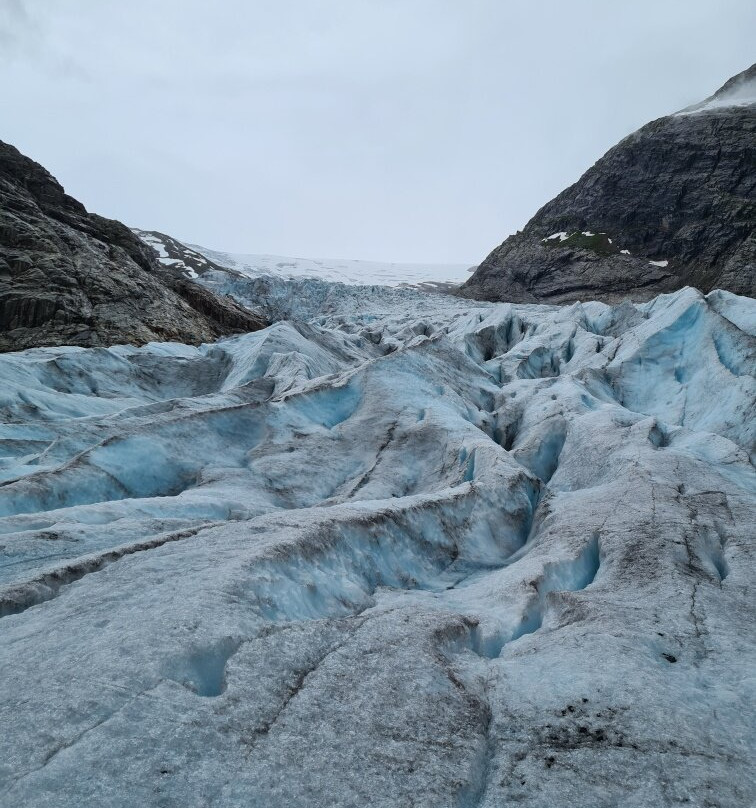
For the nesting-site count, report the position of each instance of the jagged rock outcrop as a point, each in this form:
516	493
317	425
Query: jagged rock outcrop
69	277
672	205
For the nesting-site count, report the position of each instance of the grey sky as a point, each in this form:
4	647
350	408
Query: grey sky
417	130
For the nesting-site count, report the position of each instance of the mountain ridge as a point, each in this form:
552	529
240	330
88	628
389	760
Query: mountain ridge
70	277
672	204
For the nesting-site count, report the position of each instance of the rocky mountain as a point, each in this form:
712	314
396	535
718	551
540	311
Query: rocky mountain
69	277
673	204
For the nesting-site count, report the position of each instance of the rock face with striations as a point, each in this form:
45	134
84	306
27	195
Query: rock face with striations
69	277
672	205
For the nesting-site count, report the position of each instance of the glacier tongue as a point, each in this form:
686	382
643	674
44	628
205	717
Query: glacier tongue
397	549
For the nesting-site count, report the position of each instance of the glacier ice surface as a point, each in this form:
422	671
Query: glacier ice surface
396	549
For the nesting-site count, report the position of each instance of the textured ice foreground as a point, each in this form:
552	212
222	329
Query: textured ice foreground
402	550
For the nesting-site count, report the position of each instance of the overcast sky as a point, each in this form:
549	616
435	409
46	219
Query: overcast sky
415	130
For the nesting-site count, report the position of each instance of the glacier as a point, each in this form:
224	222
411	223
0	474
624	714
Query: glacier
340	270
193	261
397	549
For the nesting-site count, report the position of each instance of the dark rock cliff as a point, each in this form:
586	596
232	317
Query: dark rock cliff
672	205
69	277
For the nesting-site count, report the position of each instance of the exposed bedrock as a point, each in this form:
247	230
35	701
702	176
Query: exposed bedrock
68	277
671	205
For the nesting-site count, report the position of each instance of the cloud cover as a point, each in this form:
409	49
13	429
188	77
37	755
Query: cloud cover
416	130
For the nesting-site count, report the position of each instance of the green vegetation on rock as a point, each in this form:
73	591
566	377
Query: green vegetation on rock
597	242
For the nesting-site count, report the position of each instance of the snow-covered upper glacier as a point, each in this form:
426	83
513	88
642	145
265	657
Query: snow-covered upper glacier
397	549
194	260
340	270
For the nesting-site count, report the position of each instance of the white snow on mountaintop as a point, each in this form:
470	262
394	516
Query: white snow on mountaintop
396	549
742	94
336	270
